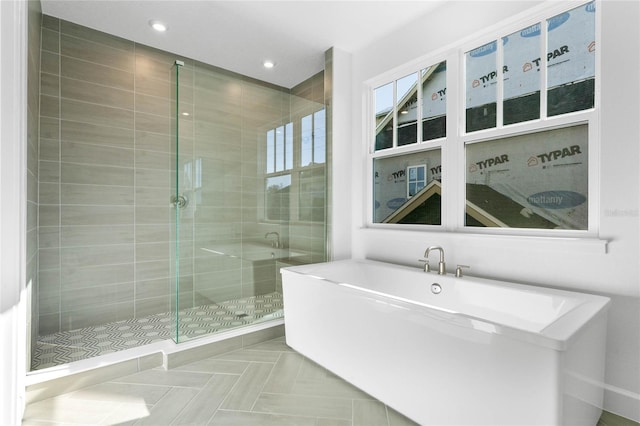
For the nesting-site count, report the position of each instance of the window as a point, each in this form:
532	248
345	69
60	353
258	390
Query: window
384	116
537	180
571	60
313	139
399	104
434	102
311	199
294	170
407	188
481	87
279	149
312	178
521	60
416	179
278	164
398	178
525	130
277	195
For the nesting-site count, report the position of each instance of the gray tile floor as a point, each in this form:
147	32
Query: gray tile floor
68	346
263	385
266	384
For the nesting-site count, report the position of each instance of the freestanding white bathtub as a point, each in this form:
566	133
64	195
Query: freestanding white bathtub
480	352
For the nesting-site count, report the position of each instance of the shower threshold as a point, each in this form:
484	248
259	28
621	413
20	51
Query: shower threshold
75	345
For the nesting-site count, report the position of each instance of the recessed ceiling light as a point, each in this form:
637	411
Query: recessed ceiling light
158	26
186	114
268	64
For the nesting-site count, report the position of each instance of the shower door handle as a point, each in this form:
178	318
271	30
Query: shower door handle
179	201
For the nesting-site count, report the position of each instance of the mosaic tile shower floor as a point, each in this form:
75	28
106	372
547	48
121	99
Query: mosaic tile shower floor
68	346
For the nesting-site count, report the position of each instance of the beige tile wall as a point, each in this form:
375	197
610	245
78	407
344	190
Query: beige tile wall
72	181
105	178
105	142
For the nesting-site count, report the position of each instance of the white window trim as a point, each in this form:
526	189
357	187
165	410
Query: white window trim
452	147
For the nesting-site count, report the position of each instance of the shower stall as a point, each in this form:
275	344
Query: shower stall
170	192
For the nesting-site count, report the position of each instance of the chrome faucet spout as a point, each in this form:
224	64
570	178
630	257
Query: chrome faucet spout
441	263
276	242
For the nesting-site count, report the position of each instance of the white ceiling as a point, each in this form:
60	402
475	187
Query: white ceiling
238	35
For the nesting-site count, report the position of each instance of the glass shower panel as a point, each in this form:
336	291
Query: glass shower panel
237	152
174	248
186	172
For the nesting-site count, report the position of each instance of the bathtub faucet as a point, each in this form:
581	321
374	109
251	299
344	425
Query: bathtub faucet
276	242
441	264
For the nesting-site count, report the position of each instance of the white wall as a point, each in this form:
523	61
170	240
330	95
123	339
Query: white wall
13	94
567	264
337	85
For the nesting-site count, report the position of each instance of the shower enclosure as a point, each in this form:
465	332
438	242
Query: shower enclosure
169	195
243	203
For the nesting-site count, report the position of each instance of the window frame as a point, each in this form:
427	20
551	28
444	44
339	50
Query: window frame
453	146
294	167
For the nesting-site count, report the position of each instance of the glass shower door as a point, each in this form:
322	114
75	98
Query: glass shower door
174	212
182	175
248	196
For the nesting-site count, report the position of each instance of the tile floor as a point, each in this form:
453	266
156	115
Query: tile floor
262	385
68	346
265	384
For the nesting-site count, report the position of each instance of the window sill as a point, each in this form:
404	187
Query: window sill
563	244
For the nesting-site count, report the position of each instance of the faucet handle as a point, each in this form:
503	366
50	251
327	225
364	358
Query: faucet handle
459	270
427	268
